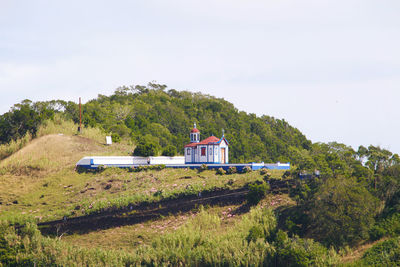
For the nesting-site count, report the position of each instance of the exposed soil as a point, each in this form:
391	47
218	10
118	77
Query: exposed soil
141	213
134	214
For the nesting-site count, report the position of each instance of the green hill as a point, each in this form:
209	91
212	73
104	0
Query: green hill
341	204
164	117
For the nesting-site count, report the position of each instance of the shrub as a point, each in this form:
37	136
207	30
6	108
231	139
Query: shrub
246	169
386	253
158	167
169	151
203	167
115	138
232	170
255	233
146	149
264	171
221	171
101	168
377	232
257	192
298	252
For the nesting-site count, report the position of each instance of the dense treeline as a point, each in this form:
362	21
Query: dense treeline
347	196
163	118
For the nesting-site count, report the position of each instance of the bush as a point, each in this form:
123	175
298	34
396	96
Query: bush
115	138
377	232
246	169
169	151
232	170
257	192
255	233
386	253
221	171
264	171
158	167
203	167
298	252
101	168
146	149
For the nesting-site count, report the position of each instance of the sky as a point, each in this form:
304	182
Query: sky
329	68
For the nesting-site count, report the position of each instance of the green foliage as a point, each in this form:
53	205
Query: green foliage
255	233
246	169
23	118
386	226
203	167
221	171
377	232
257	192
146	149
115	138
386	253
169	151
342	211
298	252
232	170
200	241
166	117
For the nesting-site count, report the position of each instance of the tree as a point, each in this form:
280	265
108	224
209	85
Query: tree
169	151
146	149
342	211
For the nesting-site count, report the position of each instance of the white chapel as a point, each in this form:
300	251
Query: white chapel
211	150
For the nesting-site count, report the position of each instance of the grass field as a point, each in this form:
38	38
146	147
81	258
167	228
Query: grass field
40	182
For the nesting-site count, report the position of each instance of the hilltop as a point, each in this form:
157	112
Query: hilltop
163	117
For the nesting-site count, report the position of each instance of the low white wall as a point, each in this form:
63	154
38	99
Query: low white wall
112	160
167	160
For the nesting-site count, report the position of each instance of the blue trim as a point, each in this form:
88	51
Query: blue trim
211	165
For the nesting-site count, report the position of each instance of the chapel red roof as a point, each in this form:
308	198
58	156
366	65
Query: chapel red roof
195	130
208	141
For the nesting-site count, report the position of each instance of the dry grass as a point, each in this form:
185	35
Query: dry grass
50	153
61	126
35	176
129	237
41	180
12	147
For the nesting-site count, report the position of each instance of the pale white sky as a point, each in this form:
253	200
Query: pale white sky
329	68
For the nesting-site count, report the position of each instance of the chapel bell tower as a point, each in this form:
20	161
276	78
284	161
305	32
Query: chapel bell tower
194	134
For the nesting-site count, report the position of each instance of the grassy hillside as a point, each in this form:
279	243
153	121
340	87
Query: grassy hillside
39	181
344	208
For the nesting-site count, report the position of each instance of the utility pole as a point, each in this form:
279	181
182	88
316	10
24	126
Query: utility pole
80	116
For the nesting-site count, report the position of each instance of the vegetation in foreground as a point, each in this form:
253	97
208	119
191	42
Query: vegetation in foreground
253	240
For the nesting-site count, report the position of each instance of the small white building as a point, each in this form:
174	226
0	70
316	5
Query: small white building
211	150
